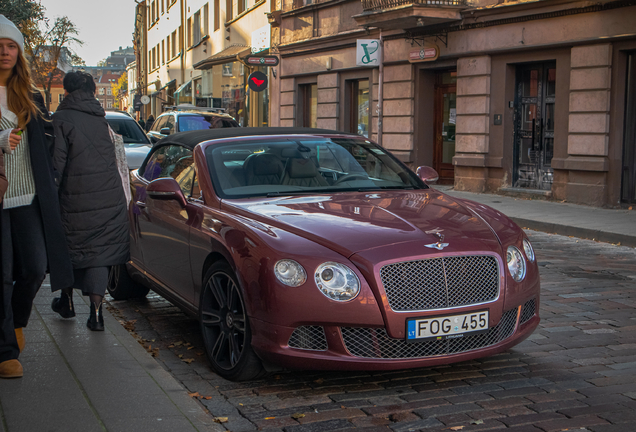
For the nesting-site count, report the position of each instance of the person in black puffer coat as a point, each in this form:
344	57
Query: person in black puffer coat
91	195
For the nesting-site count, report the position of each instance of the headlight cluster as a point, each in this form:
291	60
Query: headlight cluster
336	281
516	261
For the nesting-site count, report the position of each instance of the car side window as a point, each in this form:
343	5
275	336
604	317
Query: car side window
168	161
158	124
169	123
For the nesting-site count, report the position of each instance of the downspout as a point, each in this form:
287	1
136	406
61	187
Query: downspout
182	41
380	89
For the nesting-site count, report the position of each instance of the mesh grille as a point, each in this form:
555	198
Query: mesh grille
528	311
308	338
439	283
375	343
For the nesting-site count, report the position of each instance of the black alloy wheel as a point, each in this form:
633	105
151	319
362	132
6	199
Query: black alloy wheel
225	326
122	287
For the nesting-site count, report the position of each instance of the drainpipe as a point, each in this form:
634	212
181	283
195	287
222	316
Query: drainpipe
380	89
182	42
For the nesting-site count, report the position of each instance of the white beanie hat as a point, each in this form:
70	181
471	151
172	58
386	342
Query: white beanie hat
8	30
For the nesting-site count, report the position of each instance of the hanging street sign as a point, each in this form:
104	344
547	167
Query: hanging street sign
268	60
257	81
368	52
424	54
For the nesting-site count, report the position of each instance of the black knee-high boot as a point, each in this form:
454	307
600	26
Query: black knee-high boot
95	319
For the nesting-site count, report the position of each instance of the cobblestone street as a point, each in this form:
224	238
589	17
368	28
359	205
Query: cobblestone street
576	372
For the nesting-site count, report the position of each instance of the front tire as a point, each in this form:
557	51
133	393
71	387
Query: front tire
225	326
122	287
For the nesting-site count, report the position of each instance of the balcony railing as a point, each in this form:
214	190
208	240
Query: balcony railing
377	5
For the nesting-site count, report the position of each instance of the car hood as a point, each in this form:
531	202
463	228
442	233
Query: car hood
350	223
135	154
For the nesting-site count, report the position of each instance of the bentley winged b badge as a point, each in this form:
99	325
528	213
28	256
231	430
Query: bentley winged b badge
439	245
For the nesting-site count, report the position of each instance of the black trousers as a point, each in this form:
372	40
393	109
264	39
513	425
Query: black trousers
24	263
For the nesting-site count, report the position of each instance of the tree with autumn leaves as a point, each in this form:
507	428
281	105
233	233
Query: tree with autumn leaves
120	88
48	46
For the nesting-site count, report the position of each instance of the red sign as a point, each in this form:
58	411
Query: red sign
424	54
262	60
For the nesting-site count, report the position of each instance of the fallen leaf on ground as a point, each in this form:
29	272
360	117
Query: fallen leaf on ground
220	419
476	422
456	428
178	343
297	415
188	360
269	418
194	394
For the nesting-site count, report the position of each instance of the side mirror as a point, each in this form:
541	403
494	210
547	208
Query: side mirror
166	188
165	131
427	174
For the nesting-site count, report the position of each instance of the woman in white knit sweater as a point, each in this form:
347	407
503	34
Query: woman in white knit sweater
31	228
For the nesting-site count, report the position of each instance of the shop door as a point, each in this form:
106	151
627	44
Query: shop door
444	129
628	190
534	126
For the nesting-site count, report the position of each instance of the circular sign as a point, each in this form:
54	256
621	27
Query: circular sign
145	99
257	81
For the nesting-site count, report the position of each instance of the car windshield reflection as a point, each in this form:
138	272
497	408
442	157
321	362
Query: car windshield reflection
289	166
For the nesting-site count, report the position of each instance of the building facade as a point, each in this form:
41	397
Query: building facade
528	98
194	53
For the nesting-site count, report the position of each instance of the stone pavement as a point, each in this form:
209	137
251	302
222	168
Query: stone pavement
577	372
607	225
78	380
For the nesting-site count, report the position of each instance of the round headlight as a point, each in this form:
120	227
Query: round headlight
337	281
527	248
516	263
290	272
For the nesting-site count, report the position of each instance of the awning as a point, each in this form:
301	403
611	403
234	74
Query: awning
225	56
184	87
168	84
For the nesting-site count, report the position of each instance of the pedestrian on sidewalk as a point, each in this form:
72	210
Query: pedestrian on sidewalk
91	196
32	232
149	121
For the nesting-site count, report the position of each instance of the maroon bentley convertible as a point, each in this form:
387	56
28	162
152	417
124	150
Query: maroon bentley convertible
315	249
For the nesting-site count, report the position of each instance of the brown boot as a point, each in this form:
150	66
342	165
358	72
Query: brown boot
11	369
20	337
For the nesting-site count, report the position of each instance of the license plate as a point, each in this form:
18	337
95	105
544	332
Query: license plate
446	327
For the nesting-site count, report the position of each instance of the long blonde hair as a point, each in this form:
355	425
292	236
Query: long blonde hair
20	92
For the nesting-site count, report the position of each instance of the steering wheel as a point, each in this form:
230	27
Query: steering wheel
351	177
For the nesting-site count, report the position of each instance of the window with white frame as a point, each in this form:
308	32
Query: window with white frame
109	104
109	91
100	91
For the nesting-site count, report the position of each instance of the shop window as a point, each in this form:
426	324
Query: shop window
357	107
308	105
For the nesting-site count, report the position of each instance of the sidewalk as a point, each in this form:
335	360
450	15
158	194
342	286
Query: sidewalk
78	380
605	225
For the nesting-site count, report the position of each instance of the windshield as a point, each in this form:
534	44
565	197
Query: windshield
129	130
190	122
297	165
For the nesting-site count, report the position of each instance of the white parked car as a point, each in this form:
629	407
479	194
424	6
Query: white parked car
136	141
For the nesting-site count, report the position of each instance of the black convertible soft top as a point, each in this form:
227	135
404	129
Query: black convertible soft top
192	138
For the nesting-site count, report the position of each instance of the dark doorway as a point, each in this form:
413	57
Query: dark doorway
444	127
534	126
628	190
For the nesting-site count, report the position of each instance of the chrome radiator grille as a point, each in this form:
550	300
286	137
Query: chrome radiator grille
375	343
308	338
439	283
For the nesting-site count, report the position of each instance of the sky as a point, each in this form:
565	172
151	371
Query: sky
104	26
